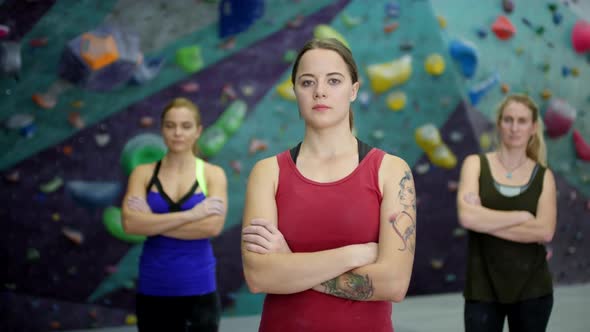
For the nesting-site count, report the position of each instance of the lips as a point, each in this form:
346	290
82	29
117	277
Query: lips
320	107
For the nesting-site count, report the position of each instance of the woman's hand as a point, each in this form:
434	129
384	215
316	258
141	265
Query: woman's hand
208	207
138	204
472	198
263	237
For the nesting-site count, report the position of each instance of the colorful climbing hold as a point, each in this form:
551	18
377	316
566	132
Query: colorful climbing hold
581	36
285	90
350	21
383	76
508	6
581	146
435	64
428	138
52	185
112	220
505	88
503	28
323	31
396	100
482	88
142	149
546	94
559	117
466	55
189	58
442	22
73	235
391	27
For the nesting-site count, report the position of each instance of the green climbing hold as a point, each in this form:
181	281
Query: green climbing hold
212	140
233	116
142	149
189	58
112	219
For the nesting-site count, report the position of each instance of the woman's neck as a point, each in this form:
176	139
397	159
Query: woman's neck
328	143
511	156
178	160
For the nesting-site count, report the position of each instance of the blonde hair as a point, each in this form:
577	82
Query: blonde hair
337	46
536	149
186	103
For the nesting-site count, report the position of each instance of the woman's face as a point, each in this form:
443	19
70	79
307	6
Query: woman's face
324	88
516	125
180	129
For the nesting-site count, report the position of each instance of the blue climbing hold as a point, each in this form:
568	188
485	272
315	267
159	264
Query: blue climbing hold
482	88
466	55
236	16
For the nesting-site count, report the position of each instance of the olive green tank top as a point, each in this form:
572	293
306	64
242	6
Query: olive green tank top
505	271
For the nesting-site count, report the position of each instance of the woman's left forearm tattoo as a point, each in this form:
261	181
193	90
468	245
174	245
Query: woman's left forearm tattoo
350	286
403	223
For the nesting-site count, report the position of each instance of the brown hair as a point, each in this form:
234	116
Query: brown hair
186	103
535	149
335	45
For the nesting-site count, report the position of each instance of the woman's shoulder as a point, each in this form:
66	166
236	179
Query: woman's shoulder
393	164
145	169
213	171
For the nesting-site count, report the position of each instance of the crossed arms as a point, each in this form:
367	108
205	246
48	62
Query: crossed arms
517	226
205	220
363	272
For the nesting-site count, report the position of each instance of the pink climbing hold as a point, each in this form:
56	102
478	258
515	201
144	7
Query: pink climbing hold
4	30
582	148
581	36
559	117
503	28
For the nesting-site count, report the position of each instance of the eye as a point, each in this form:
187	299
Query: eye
306	83
187	126
334	81
169	125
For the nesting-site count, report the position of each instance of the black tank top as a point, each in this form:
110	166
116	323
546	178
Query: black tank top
504	271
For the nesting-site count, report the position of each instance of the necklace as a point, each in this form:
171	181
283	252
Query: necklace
510	171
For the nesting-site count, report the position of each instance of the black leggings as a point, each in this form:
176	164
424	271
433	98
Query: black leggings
529	315
178	313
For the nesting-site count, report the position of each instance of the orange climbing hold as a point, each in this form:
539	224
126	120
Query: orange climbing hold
503	28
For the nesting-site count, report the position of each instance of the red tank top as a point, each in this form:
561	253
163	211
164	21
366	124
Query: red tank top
318	216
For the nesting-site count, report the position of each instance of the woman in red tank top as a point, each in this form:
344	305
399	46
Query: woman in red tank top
329	228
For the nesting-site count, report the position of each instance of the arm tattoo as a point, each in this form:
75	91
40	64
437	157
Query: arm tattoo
350	286
407	194
405	228
403	223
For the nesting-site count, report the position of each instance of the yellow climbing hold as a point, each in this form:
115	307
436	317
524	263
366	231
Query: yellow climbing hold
442	22
383	76
396	100
131	319
285	90
485	141
323	31
434	64
428	138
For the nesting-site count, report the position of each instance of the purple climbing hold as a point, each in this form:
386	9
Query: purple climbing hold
508	6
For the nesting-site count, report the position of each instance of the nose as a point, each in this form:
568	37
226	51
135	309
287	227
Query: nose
320	91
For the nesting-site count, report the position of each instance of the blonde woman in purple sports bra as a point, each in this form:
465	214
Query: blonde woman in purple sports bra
179	203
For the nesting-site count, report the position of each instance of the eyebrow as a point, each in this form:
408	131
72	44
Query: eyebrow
329	74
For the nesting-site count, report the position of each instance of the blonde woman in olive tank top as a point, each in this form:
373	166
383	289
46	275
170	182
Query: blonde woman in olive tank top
507	201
